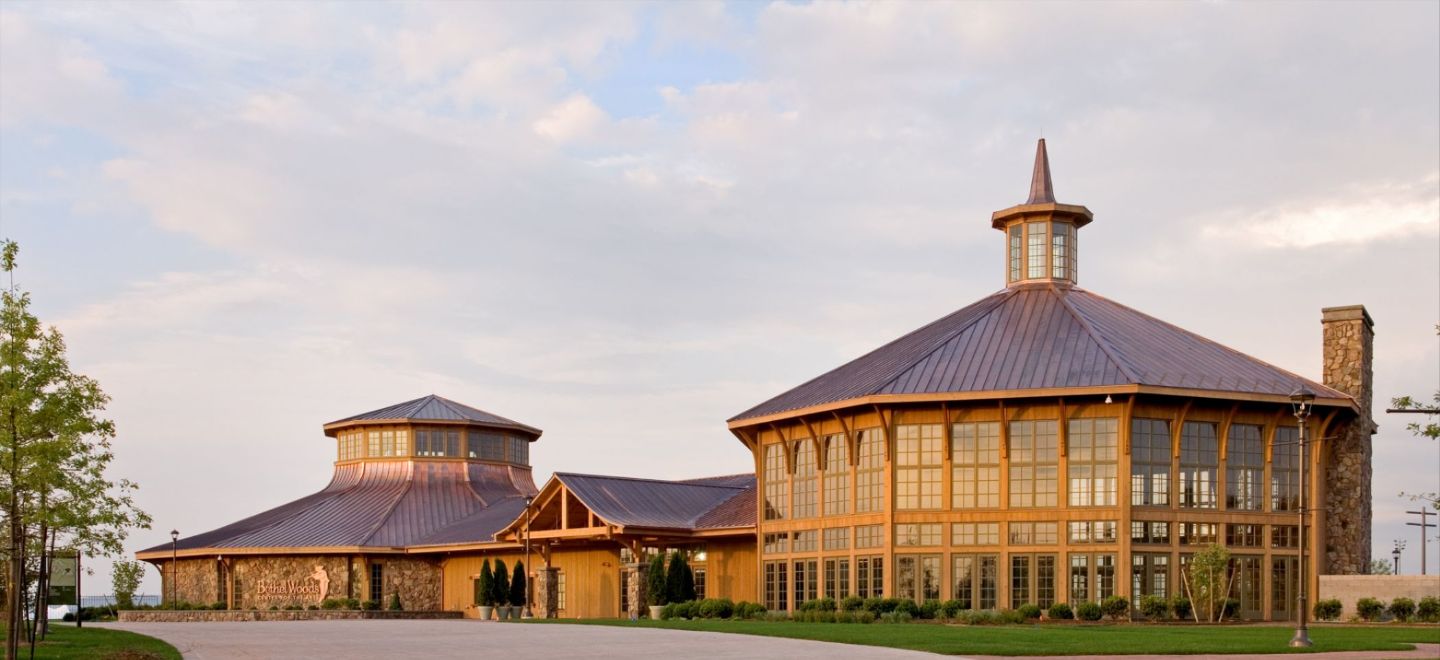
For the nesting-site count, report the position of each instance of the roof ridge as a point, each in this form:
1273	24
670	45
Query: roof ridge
1004	295
695	522
650	480
1215	344
722	476
1095	336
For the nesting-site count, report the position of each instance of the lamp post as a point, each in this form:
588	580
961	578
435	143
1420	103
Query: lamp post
174	537
1399	548
1301	401
529	583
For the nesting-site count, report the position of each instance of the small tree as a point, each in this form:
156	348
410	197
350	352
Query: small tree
687	583
655	581
1208	580
395	601
501	594
125	579
485	586
675	580
517	585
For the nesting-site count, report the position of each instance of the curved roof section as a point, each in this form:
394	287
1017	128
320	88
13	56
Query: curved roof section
1041	337
432	408
381	505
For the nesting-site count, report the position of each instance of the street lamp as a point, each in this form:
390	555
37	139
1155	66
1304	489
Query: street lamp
527	614
1399	548
174	536
1301	400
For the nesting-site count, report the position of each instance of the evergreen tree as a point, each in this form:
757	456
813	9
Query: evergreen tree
485	586
675	579
501	593
687	582
517	585
655	581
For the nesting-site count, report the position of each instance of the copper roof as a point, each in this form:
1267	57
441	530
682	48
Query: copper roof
432	408
694	505
1042	190
384	504
1041	337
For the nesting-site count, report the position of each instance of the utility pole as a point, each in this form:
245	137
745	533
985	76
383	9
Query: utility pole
1423	526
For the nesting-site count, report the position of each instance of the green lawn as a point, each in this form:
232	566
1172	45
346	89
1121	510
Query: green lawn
64	642
1063	639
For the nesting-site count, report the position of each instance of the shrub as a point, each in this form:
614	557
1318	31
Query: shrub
895	617
501	593
293	607
978	617
668	612
856	616
352	603
655	581
1089	611
679	579
1231	608
826	604
874	606
1328	610
517	585
950	608
332	604
852	603
683	610
747	610
930	609
1369	609
313	607
1029	611
368	605
1401	608
484	586
395	602
805	606
1009	616
1182	607
716	608
1060	611
907	607
1115	607
1428	609
274	608
1154	607
125	579
219	606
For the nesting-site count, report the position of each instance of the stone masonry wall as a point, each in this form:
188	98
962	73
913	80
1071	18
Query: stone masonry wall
418	581
195	581
189	616
262	582
1349	348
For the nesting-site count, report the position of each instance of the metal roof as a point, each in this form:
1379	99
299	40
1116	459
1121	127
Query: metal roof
1041	337
714	503
432	408
384	505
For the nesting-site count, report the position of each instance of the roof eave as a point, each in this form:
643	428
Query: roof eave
333	427
1080	215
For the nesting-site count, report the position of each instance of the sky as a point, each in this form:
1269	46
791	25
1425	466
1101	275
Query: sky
625	223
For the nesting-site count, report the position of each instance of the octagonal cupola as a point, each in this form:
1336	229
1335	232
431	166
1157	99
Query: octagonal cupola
432	428
1040	235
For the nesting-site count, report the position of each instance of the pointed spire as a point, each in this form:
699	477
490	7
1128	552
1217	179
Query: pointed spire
1042	191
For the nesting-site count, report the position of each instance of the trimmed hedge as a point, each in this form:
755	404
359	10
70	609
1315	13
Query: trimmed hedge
1061	611
1089	611
1402	609
1029	611
1428	609
1328	610
1154	608
1369	609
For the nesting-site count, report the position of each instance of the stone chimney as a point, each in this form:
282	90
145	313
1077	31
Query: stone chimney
1349	358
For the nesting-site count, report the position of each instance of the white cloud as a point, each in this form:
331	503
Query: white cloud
574	118
1364	215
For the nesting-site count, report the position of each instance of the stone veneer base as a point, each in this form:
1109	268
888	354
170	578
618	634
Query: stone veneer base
185	616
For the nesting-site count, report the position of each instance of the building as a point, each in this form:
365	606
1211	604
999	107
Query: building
1044	444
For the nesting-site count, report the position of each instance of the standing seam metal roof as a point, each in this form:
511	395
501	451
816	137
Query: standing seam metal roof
713	503
437	409
1041	337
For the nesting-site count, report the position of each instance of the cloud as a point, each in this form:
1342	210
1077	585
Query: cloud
1368	213
574	118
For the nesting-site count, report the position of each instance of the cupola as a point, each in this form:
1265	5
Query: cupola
1040	235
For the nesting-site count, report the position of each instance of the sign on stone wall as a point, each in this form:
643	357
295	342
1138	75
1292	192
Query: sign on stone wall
312	588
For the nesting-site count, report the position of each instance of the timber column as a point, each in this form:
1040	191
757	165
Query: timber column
1349	367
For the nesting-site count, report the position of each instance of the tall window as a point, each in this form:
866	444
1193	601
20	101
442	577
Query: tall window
1199	462
804	480
1285	470
699	582
1062	251
1149	575
1248	581
870	577
775	585
559	589
807	580
837	476
1079	578
377	582
519	449
1245	468
1032	580
1034	464
974	580
1017	256
1150	462
374	438
1091	452
776	486
917	577
870	474
975	467
1035	249
837	577
918	465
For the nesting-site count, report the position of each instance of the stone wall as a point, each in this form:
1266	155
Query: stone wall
262	582
547	597
1350	588
1349	348
416	580
188	616
195	581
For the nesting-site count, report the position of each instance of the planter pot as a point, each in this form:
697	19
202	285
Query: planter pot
507	612
486	612
655	611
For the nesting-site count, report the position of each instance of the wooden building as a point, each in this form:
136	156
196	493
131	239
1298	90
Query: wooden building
1046	444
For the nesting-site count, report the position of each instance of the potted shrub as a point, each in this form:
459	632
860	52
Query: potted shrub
502	590
655	586
485	591
517	589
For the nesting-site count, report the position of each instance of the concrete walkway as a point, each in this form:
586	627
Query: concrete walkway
470	639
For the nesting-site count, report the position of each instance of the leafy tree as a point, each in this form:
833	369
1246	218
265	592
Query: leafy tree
1380	567
485	586
501	593
125	579
1430	429
1207	578
655	581
54	450
517	585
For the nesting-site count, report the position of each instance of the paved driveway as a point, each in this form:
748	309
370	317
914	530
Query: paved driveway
469	639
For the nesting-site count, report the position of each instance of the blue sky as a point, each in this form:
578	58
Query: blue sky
624	223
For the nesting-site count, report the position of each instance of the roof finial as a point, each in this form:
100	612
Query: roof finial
1042	191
